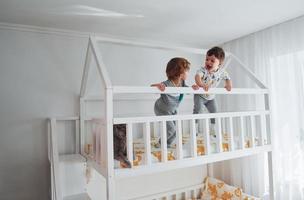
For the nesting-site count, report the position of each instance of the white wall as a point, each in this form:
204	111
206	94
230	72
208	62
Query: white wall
40	77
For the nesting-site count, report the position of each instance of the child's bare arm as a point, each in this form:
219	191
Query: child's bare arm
228	85
160	86
199	82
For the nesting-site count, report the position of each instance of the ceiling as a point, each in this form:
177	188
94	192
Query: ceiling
194	23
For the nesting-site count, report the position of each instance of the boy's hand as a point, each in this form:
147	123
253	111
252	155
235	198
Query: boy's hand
228	85
195	87
161	87
205	87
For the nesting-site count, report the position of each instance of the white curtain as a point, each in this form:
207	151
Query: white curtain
276	56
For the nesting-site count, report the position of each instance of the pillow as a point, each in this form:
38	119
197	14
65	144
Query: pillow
215	189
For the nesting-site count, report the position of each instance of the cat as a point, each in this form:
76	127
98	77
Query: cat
120	145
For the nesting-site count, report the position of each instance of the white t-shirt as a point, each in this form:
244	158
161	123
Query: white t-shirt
212	79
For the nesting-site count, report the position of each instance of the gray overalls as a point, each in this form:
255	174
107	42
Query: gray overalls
167	104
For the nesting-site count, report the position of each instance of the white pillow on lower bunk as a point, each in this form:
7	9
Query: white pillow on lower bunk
215	189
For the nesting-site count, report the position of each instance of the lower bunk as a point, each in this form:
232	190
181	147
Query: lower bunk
79	181
210	189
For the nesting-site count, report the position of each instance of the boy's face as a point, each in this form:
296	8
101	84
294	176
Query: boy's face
184	75
212	63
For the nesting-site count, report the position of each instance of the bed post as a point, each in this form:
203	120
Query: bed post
267	102
82	131
109	154
109	138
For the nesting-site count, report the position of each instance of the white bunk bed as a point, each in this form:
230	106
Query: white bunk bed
94	133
